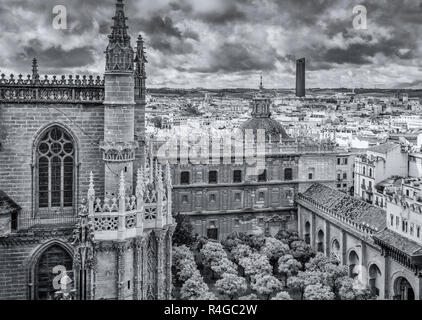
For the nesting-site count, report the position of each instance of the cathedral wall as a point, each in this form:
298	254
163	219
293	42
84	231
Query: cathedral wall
106	277
22	123
19	255
14	271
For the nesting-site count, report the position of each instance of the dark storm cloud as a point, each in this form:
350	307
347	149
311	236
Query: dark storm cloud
228	37
237	57
56	58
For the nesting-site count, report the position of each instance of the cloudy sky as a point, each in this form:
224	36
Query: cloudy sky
225	43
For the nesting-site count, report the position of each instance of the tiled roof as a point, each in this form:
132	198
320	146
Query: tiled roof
347	206
384	148
399	242
7	205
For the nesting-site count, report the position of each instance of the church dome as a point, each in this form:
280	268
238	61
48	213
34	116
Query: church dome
261	119
273	129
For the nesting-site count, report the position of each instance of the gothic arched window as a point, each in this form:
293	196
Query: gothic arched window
56	161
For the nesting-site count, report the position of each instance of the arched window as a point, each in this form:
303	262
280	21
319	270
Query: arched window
320	244
308	232
335	248
56	162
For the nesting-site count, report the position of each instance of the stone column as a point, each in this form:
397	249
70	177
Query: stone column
344	247
313	230
327	238
160	264
120	251
137	268
386	275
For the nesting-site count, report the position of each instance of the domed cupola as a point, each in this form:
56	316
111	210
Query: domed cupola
261	118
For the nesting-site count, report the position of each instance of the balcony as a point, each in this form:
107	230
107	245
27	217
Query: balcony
44	220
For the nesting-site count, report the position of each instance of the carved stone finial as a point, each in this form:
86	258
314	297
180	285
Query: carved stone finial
35	74
119	53
91	190
122	191
140	183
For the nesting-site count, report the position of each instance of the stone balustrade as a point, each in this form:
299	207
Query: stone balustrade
127	216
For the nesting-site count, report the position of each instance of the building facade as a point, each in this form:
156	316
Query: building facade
224	195
380	248
59	137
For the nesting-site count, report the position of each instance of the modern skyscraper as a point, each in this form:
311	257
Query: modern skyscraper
300	77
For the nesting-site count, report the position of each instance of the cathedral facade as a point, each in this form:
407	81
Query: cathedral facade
79	197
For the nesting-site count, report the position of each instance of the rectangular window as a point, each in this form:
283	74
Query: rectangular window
397	222
263	176
212	176
310	176
288	174
212	197
418	231
185	177
237	197
184	198
212	233
391	220
261	196
345	160
237	176
338	161
344	175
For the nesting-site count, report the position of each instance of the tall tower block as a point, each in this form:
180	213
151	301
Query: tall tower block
300	77
119	104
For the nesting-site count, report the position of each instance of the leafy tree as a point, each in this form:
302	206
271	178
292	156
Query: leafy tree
351	291
184	266
256	264
288	266
318	263
274	249
183	234
212	251
266	285
333	276
231	285
223	266
256	241
318	292
194	288
251	296
232	241
287	236
301	251
304	279
282	295
187	269
240	251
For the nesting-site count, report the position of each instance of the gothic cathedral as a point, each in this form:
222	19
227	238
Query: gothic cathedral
85	211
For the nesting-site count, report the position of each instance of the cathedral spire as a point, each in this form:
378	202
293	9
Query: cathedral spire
35	74
261	86
119	29
119	53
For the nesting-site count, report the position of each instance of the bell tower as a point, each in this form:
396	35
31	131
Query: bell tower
119	106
